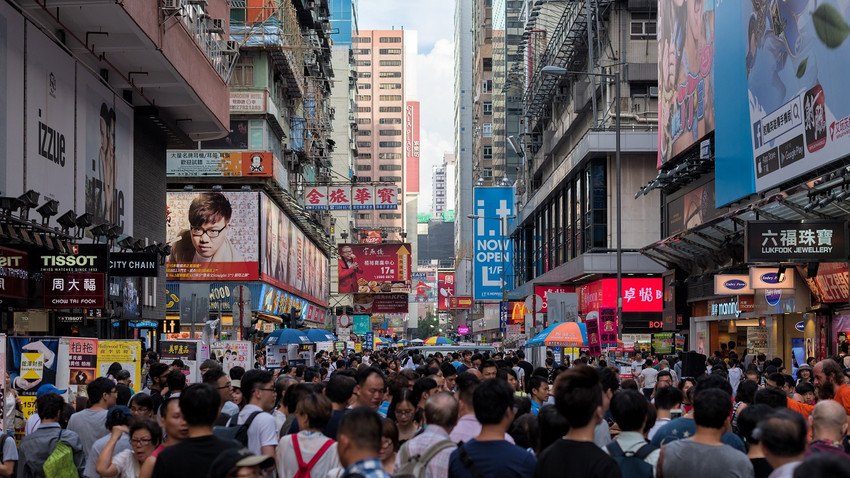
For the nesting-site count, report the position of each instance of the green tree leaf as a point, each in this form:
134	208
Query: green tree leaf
830	26
801	68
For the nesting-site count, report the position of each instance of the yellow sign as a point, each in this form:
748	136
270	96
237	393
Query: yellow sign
32	365
126	352
28	406
358	347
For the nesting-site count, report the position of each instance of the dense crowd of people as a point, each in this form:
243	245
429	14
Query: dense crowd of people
460	415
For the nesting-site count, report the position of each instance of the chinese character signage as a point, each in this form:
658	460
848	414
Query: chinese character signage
69	291
316	198
608	324
339	198
380	304
446	289
207	164
796	241
361	197
386	197
424	287
411	145
492	247
593	337
82	361
639	295
374	269
830	283
370	340
14	273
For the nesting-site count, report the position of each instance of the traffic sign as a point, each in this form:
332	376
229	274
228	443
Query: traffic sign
344	320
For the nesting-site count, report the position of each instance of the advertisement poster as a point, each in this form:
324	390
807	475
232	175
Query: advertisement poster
276	355
30	363
14	273
492	247
374	269
12	99
128	353
662	343
289	260
380	303
213	236
830	283
362	324
191	352
692	209
219	164
233	353
424	287
608	323
797	85
446	289
593	337
82	363
685	75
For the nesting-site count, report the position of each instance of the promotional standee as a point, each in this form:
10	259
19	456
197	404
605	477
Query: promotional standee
291	354
191	352
31	362
127	353
233	353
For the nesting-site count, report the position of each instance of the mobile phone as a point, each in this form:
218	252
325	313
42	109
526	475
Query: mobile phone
675	413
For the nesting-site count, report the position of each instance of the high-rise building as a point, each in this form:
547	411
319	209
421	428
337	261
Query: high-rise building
463	156
438	201
482	90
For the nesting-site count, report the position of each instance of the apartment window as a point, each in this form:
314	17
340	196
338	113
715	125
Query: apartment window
389	132
362	62
488	64
488	108
364	144
364	215
243	71
389	144
364	156
390	62
389	51
389	39
364	109
488	152
390	97
364	179
363	167
364	74
389	215
389	155
363	98
389	121
364	132
643	26
487	130
364	120
362	39
389	109
390	74
361	51
390	86
389	167
486	86
364	86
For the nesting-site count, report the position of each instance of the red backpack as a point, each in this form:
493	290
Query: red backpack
304	469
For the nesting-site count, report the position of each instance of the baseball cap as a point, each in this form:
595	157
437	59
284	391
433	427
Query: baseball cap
48	388
123	409
234	458
236	383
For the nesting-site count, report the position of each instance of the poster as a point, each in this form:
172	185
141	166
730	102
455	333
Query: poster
276	355
233	353
445	289
191	352
593	337
608	324
685	75
207	164
424	287
380	303
374	269
30	363
126	352
82	363
662	343
213	236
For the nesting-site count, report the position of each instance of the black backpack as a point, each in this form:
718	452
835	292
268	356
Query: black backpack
233	432
632	464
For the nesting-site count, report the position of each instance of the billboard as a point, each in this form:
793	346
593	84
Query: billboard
446	289
219	164
685	75
14	273
411	146
691	209
380	303
542	292
361	197
11	99
494	208
231	218
374	269
424	287
289	259
639	295
799	108
796	241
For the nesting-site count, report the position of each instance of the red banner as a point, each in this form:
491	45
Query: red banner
608	323
830	285
639	295
445	289
14	273
374	269
593	338
380	303
74	290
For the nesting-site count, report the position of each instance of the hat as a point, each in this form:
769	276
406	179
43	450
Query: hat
122	409
48	388
233	458
805	366
236	383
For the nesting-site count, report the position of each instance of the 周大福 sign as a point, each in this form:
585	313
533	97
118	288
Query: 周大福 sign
796	241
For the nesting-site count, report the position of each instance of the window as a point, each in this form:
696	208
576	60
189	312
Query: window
390	74
389	109
364	156
390	98
488	152
389	40
390	167
362	40
364	132
389	155
389	121
364	144
362	62
364	86
364	109
390	86
363	98
243	71
390	62
487	130
488	64
486	86
364	179
389	51
364	74
364	120
389	132
363	167
389	215
364	215
361	51
488	108
487	173
389	144
643	26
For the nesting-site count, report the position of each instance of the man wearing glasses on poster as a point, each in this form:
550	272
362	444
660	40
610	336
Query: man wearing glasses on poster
206	239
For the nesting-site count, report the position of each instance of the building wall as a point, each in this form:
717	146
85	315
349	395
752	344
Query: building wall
463	178
482	87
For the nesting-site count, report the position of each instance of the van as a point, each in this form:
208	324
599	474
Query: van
427	350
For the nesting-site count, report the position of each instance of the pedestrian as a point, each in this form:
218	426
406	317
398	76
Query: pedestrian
748	420
176	430
175	381
258	388
157	373
539	393
489	453
239	463
145	437
578	397
308	453
783	439
629	409
89	424
667	399
829	385
117	418
404	412
389	445
359	442
141	405
219	380
829	427
39	445
823	465
433	446
370	387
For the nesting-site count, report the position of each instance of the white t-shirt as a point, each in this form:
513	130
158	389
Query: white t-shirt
262	431
127	464
649	376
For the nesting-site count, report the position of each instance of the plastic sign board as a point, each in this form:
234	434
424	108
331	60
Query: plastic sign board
374	269
732	284
492	248
796	241
769	278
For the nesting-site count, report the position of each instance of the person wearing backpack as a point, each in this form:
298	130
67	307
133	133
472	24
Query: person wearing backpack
308	453
50	451
258	388
635	456
427	454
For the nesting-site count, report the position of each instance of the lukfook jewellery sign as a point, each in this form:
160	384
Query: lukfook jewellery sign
796	241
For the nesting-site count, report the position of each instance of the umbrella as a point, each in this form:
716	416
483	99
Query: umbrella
564	334
287	336
319	335
438	340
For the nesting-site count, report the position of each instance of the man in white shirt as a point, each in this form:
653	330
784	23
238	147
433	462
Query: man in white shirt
647	379
258	388
667	399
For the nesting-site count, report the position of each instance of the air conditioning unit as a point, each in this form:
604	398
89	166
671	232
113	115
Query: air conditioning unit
171	5
653	92
215	25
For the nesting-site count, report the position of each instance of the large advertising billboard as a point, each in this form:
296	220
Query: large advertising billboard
411	145
289	259
494	211
374	269
14	273
685	75
195	163
797	83
445	289
213	236
424	287
11	99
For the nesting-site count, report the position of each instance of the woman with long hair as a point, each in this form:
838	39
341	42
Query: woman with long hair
403	411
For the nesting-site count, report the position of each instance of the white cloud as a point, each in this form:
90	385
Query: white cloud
430	18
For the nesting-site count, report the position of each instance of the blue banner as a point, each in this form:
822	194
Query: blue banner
494	212
370	341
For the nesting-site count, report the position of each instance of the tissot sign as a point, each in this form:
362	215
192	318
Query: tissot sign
796	241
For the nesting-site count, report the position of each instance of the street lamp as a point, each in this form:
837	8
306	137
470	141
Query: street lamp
503	220
558	71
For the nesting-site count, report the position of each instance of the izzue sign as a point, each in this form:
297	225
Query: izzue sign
796	241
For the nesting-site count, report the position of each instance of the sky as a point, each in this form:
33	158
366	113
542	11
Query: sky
434	22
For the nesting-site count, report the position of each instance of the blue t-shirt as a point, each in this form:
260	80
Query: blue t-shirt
535	407
493	458
685	428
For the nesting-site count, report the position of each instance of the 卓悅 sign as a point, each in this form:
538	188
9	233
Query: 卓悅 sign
796	241
71	291
374	269
639	295
492	248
